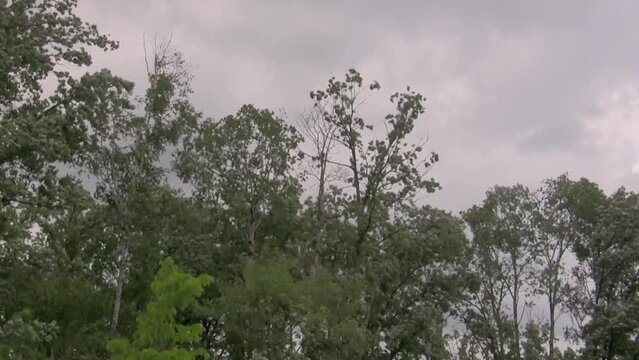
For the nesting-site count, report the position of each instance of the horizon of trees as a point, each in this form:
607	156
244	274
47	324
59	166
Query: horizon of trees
134	227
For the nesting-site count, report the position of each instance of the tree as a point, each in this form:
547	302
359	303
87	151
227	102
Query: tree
158	334
43	208
403	253
320	135
603	297
260	312
125	149
39	38
240	168
504	243
383	173
483	311
242	164
332	311
414	281
554	239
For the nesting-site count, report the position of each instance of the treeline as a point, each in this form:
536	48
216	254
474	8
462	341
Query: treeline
312	234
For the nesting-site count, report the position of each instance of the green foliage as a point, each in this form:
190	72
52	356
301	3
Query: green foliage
158	334
261	309
333	309
38	35
243	164
23	337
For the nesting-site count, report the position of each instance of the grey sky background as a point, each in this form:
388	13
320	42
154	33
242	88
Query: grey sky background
517	91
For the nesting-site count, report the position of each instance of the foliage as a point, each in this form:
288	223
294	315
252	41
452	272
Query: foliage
23	337
158	335
533	345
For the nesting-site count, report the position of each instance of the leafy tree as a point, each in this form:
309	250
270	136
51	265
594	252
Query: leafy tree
39	38
554	239
125	150
158	334
43	209
504	244
57	232
241	170
371	228
604	292
243	164
416	279
332	311
383	172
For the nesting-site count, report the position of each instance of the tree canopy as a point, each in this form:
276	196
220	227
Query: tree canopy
117	211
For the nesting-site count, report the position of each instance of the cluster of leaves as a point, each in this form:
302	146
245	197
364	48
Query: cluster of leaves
98	186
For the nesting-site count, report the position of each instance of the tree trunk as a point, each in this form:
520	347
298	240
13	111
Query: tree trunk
252	231
551	335
516	342
314	261
252	245
121	276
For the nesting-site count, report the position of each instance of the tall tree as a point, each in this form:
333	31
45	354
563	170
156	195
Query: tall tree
39	39
484	310
321	137
241	170
126	148
605	282
554	238
384	172
504	241
403	253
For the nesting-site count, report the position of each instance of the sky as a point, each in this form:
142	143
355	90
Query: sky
516	91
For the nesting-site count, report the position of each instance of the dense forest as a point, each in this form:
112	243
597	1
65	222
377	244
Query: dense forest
132	226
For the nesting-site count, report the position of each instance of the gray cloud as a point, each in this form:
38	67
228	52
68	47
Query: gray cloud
513	88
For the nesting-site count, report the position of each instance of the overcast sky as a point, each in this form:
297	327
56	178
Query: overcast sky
517	91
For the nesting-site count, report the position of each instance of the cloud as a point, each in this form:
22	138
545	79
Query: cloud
516	91
614	132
